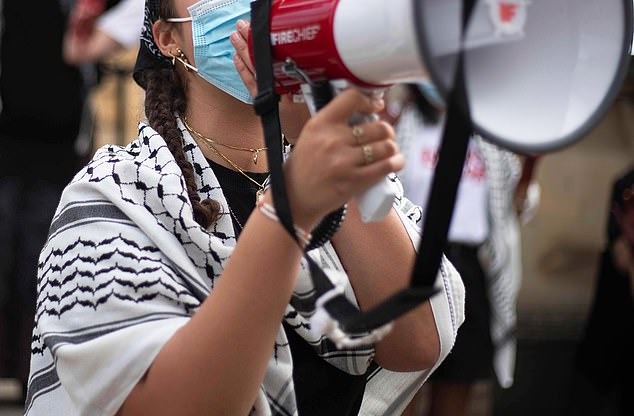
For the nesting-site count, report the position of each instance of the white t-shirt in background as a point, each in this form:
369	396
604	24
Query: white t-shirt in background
470	222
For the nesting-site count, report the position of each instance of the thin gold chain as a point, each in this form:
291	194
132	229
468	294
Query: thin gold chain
260	193
235	217
208	140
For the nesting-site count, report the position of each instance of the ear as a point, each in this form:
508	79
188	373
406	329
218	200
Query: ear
163	36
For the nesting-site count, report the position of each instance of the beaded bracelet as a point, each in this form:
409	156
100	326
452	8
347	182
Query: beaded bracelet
268	210
327	228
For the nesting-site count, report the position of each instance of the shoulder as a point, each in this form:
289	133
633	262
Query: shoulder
148	150
144	164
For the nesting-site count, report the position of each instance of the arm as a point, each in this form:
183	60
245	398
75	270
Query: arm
378	270
95	36
217	361
95	47
197	368
83	43
524	204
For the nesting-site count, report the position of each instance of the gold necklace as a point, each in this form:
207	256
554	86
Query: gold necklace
233	214
259	195
209	140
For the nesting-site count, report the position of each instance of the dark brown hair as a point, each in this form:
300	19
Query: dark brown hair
164	98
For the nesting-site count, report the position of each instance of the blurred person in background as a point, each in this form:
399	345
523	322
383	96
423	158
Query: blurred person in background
94	34
495	191
43	112
604	360
98	31
42	99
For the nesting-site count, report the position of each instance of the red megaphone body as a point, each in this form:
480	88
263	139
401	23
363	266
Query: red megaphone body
538	73
327	40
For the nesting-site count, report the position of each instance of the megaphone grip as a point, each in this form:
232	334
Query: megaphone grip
323	93
376	202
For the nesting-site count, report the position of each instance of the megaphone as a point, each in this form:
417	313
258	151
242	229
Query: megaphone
534	75
538	73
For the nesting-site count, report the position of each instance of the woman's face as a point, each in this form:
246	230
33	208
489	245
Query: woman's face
293	115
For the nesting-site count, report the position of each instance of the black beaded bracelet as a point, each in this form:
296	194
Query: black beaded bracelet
327	228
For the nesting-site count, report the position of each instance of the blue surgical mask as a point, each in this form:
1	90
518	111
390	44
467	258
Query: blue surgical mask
213	21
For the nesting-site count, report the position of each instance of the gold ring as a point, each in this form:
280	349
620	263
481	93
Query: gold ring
357	132
368	154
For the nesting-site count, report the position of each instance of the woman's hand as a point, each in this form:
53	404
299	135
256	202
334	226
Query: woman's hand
293	116
333	162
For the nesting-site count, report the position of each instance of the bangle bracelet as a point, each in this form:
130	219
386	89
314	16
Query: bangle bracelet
302	235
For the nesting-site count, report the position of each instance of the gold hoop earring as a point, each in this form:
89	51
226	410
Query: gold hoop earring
180	57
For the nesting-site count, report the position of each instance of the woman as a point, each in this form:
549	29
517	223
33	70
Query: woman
148	303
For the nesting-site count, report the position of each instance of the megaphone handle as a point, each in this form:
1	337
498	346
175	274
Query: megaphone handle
322	93
376	202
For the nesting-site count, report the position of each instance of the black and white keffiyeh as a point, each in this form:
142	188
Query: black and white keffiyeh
502	255
149	55
126	265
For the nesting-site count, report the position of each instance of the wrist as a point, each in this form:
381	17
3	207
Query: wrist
300	218
302	236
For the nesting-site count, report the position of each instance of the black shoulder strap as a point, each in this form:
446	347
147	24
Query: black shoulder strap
442	198
266	105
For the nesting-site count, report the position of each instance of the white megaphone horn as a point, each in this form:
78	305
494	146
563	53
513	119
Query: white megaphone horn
538	73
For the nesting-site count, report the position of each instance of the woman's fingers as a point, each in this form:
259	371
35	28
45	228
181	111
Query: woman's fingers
349	102
242	59
246	75
242	45
329	167
370	153
369	132
372	173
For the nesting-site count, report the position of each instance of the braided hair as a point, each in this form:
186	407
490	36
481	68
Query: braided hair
164	98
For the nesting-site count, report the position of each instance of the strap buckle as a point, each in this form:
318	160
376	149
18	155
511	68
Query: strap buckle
322	323
266	102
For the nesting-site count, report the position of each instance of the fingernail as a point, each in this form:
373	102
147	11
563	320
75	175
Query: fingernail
241	23
235	36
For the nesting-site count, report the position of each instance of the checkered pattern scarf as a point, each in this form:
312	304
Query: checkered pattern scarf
502	254
126	265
